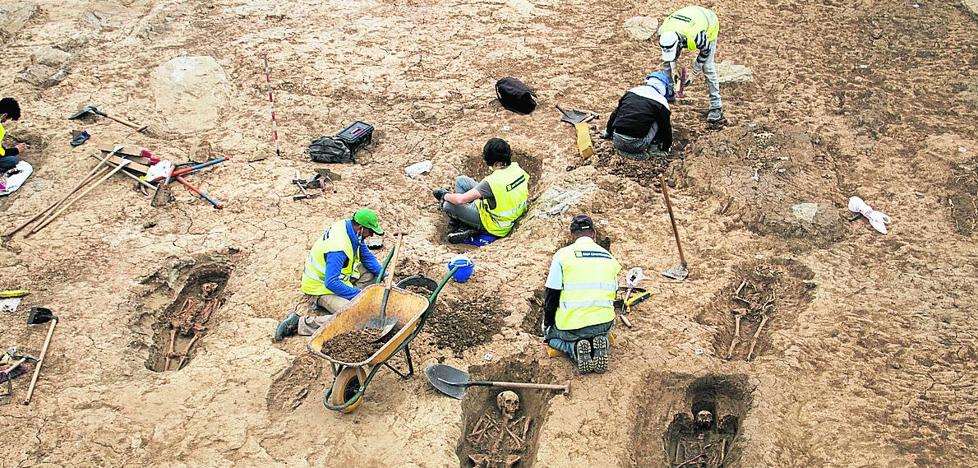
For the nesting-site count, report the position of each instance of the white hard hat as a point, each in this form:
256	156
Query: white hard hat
669	41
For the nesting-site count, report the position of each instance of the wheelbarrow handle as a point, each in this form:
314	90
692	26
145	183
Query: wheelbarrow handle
441	284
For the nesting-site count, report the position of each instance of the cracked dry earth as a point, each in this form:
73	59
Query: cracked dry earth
859	98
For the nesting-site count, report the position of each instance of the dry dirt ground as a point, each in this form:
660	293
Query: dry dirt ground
870	355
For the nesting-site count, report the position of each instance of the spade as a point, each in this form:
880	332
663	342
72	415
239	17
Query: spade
453	382
383	322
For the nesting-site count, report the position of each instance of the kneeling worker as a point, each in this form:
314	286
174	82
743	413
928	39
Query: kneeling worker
338	265
579	305
642	121
492	205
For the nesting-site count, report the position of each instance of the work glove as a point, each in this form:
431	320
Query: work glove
877	219
604	135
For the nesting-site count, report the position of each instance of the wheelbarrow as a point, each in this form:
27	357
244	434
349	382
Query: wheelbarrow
350	379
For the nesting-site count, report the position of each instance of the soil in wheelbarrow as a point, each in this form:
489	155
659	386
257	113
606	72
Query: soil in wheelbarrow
353	346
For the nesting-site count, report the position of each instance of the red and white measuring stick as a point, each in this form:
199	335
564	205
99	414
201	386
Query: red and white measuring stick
271	106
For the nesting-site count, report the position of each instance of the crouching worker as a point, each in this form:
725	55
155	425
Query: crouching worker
641	124
338	266
9	110
491	206
579	304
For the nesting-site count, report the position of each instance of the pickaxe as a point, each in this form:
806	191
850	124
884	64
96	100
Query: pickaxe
93	109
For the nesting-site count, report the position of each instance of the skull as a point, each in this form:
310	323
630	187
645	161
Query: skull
208	289
704	419
509	404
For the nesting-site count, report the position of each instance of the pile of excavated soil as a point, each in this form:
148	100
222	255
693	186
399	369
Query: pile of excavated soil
353	346
462	324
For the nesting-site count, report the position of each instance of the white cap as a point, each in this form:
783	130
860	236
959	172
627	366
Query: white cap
669	41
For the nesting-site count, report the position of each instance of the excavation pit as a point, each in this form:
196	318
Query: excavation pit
962	196
293	384
497	433
182	323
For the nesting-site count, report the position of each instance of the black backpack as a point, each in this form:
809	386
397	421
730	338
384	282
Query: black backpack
516	96
329	149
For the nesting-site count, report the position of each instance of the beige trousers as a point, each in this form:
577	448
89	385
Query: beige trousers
331	304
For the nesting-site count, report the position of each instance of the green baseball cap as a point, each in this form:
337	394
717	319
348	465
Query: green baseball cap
368	219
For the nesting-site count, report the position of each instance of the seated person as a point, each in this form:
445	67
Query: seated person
491	206
338	265
641	122
9	110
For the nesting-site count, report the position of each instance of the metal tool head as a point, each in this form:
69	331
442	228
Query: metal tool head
445	379
40	315
384	324
575	116
89	109
678	272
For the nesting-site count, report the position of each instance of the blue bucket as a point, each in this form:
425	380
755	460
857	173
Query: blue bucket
465	268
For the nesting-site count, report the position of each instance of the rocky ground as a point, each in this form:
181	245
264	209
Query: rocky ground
868	359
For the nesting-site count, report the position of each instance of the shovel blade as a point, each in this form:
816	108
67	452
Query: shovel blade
678	272
439	375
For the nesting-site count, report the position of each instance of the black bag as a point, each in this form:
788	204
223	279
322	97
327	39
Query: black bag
516	96
329	149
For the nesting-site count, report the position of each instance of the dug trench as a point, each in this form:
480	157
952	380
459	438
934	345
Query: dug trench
35	156
291	386
178	322
764	298
497	429
962	196
671	427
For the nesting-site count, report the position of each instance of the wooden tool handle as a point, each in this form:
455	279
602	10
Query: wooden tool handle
672	219
536	386
37	368
79	197
393	263
123	122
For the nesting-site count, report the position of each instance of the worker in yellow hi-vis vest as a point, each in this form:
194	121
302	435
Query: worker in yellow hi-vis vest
491	206
579	305
9	110
337	267
694	28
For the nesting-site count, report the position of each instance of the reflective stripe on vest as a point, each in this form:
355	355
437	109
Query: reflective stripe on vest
590	284
511	189
3	131
691	20
335	239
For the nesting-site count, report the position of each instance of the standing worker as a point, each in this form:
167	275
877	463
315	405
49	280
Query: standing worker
338	266
641	124
9	110
694	28
579	305
492	205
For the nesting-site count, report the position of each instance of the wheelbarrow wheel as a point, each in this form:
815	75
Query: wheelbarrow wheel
346	386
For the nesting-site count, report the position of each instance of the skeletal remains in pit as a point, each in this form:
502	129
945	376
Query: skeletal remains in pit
759	298
503	439
189	321
699	442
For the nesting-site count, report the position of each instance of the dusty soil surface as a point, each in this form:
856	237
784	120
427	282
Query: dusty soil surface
353	346
459	324
874	366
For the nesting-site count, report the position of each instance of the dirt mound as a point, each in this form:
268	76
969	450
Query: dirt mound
460	324
293	384
765	296
353	346
962	196
491	438
667	431
645	173
773	180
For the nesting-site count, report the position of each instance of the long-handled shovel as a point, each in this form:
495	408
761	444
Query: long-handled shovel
680	271
383	322
37	316
453	382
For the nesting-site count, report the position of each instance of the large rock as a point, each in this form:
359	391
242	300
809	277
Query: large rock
54	58
972	6
728	72
43	76
14	16
641	28
190	93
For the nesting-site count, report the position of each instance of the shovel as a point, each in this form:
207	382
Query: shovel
38	316
453	382
93	109
579	119
383	322
680	271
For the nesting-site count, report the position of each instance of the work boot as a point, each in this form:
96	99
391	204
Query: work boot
715	115
458	237
600	346
585	364
287	327
439	193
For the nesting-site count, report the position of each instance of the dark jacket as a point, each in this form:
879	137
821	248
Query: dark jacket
635	115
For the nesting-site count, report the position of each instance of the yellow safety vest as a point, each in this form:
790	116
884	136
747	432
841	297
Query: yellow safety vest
590	285
689	21
510	188
3	132
335	239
